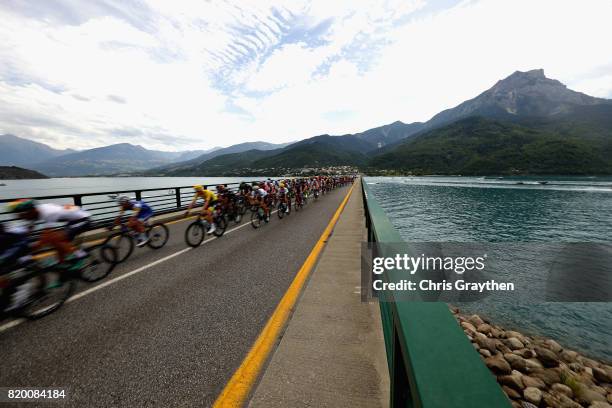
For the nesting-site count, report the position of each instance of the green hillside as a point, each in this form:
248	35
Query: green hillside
478	146
224	165
313	155
18	173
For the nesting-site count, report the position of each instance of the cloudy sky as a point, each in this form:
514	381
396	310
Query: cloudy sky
183	74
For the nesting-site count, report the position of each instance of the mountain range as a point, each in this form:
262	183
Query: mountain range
525	123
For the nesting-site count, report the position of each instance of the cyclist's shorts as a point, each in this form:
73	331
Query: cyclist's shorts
212	204
76	227
144	214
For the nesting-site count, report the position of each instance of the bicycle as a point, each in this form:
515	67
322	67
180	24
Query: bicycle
123	240
283	209
196	231
258	216
96	269
50	287
241	205
299	204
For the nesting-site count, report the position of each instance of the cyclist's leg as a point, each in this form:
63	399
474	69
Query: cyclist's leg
74	229
59	241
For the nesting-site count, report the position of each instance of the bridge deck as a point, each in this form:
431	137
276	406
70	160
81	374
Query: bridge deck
168	327
332	353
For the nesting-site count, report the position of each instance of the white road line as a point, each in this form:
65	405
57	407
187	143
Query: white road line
79	295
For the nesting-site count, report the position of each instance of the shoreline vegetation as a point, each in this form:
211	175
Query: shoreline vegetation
19	173
536	371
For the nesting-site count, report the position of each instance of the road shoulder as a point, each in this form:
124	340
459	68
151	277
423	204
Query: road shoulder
332	352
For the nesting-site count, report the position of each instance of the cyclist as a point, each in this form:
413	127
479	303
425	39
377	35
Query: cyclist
15	244
141	212
210	200
260	195
283	195
75	221
228	200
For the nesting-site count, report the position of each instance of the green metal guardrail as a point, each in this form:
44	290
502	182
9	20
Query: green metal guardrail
432	363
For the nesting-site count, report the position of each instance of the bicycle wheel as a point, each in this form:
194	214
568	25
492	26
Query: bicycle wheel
55	291
220	226
158	235
241	207
99	266
281	211
255	219
195	233
123	244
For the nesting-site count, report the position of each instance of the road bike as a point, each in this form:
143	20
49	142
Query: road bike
283	209
123	240
259	216
48	288
197	230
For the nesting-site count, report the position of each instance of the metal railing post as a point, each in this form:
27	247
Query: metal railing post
177	194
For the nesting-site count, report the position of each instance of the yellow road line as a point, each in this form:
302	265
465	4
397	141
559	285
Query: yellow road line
239	386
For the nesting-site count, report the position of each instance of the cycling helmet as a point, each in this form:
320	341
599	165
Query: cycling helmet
282	185
122	200
256	187
198	187
22	205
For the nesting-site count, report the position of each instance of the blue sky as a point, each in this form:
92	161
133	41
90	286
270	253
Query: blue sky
184	74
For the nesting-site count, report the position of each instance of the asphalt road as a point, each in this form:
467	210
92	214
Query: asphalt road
169	334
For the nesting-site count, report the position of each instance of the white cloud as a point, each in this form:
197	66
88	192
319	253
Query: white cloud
194	74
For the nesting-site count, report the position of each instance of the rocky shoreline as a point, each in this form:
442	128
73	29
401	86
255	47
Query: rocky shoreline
538	372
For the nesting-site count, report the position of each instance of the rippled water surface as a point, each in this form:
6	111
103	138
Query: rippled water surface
469	209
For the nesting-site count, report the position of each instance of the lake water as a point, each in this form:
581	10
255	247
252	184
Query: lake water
470	209
79	185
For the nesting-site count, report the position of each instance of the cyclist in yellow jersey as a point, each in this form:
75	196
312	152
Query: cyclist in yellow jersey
210	199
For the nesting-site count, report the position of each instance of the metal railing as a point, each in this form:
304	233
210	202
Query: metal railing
104	207
432	363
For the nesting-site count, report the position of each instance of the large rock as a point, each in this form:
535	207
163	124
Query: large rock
547	357
468	326
516	362
549	376
525	404
587	397
569	356
525	353
533	382
513	380
514	343
553	345
516	334
600	404
475	320
487	344
588	362
533	395
559	401
602	375
498	365
511	392
562	389
533	364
